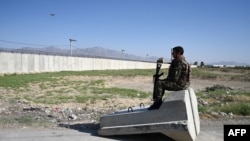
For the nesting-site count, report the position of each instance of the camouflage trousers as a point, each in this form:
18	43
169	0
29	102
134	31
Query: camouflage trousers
163	85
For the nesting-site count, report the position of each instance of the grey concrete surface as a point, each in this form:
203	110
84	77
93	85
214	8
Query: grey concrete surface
209	132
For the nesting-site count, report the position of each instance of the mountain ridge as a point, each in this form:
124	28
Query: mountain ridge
104	53
87	52
232	63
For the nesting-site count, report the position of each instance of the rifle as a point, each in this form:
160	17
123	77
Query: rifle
156	76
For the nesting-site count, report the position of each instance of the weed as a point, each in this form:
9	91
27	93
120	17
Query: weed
7	121
123	92
90	92
236	102
82	99
241	74
25	120
199	94
12	100
237	108
81	89
202	74
42	86
49	94
28	98
244	93
97	83
202	109
22	80
218	88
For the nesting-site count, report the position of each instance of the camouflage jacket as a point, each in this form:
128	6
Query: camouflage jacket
179	72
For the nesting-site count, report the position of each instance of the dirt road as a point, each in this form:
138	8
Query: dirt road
208	133
211	130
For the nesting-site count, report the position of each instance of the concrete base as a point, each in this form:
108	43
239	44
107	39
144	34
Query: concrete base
177	118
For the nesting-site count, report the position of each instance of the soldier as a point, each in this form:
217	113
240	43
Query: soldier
177	79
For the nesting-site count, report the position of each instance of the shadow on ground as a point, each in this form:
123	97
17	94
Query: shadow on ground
92	128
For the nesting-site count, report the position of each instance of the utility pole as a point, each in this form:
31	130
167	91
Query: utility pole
71	40
123	54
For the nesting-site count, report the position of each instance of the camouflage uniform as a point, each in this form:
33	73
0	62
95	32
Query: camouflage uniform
177	79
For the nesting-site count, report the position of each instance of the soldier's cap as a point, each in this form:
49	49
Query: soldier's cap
178	49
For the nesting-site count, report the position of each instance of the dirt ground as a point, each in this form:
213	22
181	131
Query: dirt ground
146	83
92	111
54	123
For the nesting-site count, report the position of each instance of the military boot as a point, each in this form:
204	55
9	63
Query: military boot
155	105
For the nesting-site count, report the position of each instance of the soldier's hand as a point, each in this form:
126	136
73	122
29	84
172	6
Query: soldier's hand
160	60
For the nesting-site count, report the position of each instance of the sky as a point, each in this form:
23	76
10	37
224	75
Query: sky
208	30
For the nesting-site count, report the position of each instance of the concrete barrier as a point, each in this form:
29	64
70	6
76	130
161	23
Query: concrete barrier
177	118
36	63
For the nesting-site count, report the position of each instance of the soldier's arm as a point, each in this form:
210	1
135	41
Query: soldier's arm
178	70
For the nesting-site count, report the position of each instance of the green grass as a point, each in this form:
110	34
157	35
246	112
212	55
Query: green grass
83	92
236	108
23	80
80	91
225	99
24	120
203	109
96	94
240	74
52	100
93	90
83	98
122	92
244	93
203	74
17	81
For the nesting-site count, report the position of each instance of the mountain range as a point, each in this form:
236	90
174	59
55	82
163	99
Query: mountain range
101	52
232	63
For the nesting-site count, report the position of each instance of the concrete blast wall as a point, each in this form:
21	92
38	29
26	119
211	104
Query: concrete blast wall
177	118
36	63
